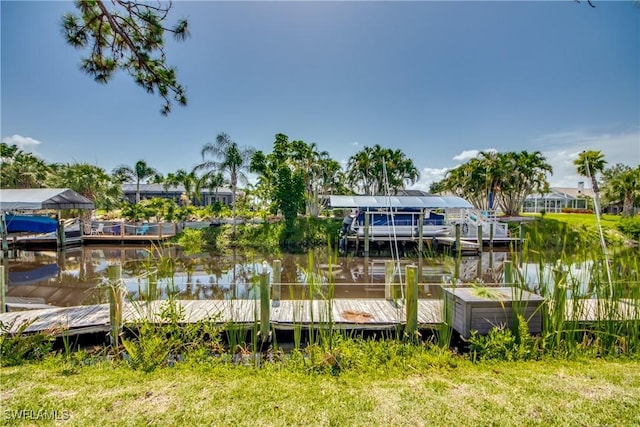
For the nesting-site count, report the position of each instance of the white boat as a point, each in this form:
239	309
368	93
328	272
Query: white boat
400	224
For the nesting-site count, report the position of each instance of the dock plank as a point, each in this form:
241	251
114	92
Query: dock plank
342	313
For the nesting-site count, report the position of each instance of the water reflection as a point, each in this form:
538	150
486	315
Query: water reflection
71	277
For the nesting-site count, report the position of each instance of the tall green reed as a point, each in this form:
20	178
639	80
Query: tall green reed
587	310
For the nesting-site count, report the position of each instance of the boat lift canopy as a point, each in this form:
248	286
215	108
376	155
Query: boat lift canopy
42	198
408	202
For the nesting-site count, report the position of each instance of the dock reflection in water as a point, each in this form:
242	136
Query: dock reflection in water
72	277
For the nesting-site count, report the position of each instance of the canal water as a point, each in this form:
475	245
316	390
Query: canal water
76	276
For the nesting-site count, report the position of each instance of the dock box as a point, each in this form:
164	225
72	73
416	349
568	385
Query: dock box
481	309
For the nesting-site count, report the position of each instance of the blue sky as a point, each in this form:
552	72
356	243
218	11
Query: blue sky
438	80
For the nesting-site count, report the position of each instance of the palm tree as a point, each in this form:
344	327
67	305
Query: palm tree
19	169
140	172
189	180
366	170
589	163
211	180
230	158
622	184
510	176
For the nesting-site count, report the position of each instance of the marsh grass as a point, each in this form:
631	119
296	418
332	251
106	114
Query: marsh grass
585	310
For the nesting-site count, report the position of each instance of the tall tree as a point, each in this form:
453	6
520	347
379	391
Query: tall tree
622	185
19	169
229	158
378	170
139	173
589	164
290	195
212	181
127	36
524	173
508	177
188	180
318	170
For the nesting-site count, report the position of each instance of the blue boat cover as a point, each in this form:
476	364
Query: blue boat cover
33	224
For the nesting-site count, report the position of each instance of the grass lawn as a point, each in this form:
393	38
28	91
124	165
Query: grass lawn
588	220
552	392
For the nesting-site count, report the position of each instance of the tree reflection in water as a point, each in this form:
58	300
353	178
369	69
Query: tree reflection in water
156	272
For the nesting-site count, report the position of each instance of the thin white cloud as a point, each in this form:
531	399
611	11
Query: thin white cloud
562	148
466	155
355	143
470	154
24	143
427	177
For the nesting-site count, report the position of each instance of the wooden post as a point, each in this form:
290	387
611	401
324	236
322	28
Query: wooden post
491	235
521	234
5	235
480	238
411	293
366	234
61	237
265	305
276	286
366	270
116	302
3	296
388	280
508	274
159	231
420	233
456	246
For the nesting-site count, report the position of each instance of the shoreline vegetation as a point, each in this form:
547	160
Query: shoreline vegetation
572	373
574	230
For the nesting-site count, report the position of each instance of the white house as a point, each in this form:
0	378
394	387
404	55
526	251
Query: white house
559	198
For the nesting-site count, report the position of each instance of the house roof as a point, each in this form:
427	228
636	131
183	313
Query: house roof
159	188
42	198
561	193
432	202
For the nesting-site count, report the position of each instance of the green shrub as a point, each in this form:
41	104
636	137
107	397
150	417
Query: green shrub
502	344
161	338
19	347
630	226
191	240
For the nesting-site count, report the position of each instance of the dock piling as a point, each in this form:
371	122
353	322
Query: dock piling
116	302
412	301
276	286
388	280
265	306
3	297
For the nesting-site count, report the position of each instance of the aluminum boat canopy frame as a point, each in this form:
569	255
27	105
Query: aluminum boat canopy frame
370	203
440	215
398	216
36	199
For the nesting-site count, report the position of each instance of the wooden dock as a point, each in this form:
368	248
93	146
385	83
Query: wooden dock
345	314
373	314
121	232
